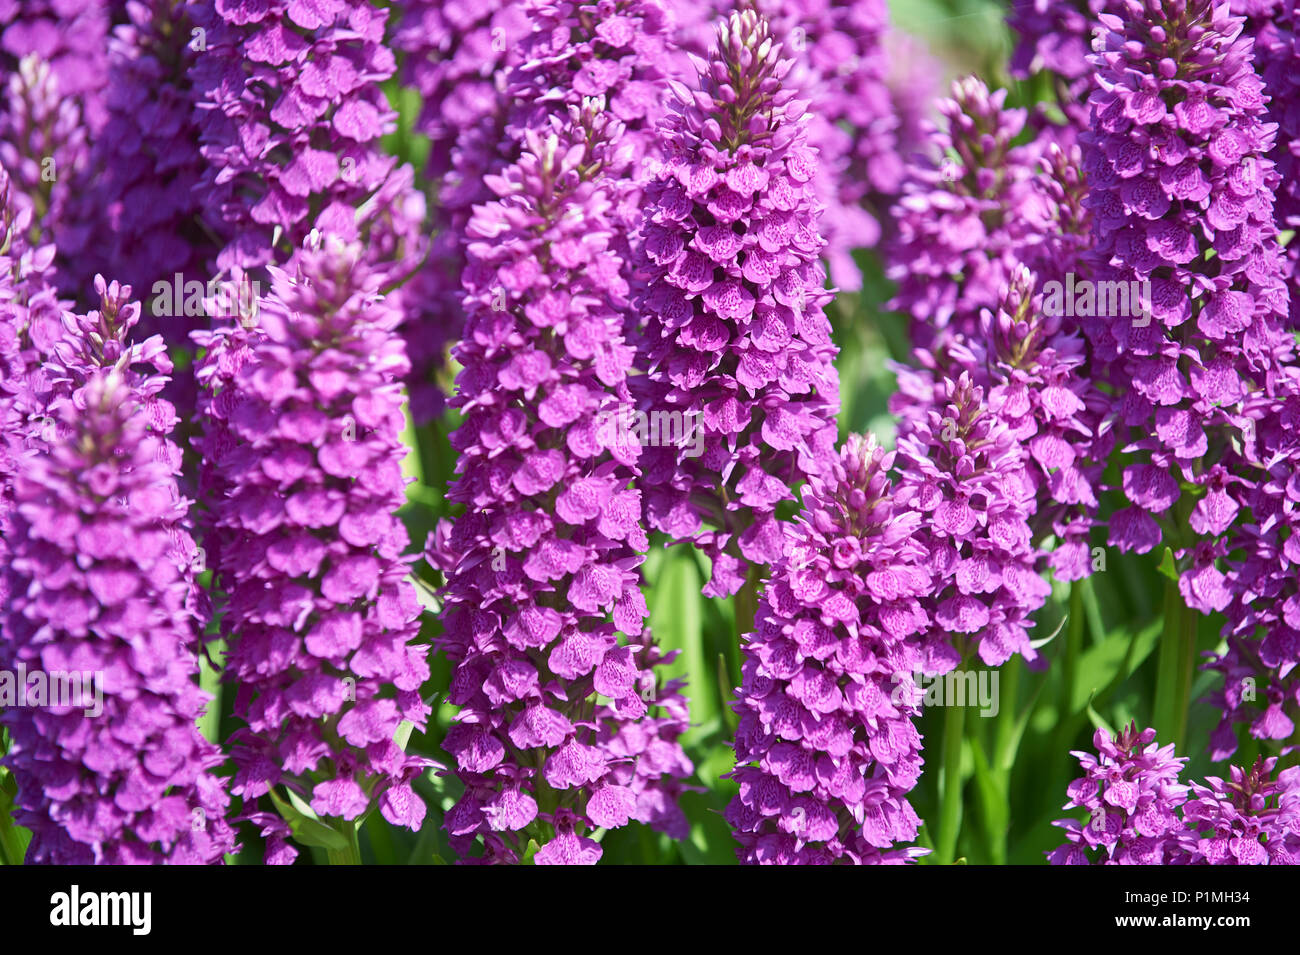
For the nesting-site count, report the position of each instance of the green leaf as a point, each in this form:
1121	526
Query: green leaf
710	841
1167	565
1036	644
307	828
403	734
13	837
1109	663
725	689
530	851
676	620
1097	721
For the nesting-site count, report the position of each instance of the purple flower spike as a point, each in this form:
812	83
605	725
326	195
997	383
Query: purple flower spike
70	35
826	745
963	470
29	326
1132	795
1182	205
100	589
556	734
457	55
147	160
452	53
292	113
1251	819
44	149
965	224
303	478
736	341
1140	814
1032	368
618	49
1275	24
841	66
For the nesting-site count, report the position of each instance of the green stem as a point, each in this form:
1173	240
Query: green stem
1073	639
210	683
1005	732
1186	671
352	854
1068	725
950	787
1004	745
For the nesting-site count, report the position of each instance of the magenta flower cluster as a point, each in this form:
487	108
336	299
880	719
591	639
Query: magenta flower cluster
100	606
292	113
977	208
549	512
1139	813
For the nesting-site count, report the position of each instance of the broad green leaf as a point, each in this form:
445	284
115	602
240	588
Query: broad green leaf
675	619
1111	662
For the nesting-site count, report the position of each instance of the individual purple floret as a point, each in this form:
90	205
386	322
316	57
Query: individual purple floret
826	746
736	342
302	456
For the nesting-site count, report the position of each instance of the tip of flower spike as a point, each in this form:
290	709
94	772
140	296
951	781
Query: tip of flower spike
740	86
